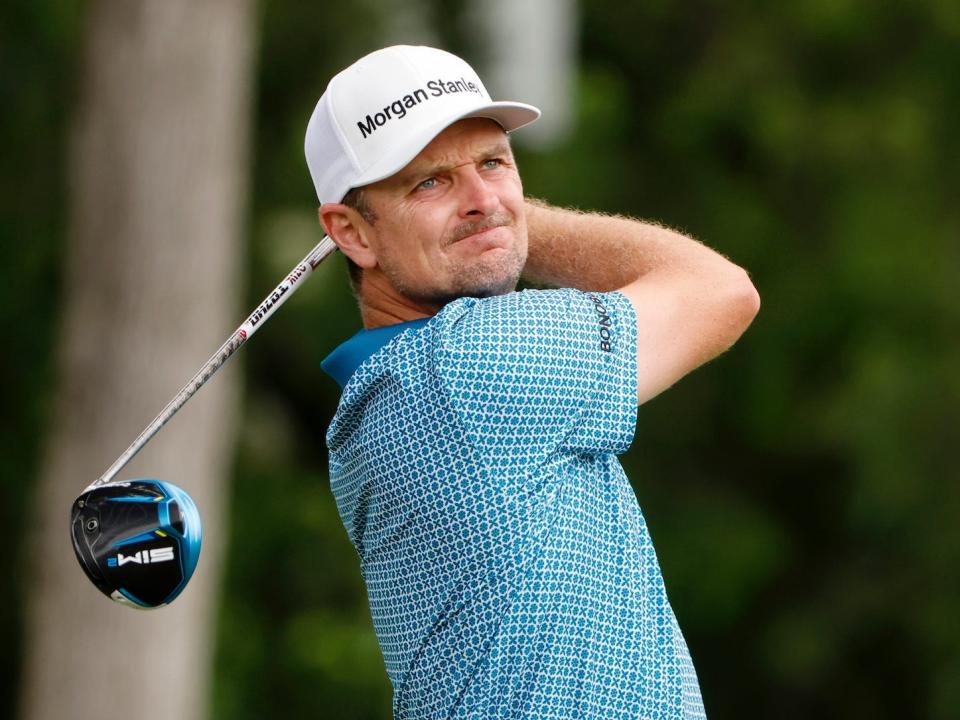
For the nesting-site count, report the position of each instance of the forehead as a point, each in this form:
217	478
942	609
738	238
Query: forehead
460	143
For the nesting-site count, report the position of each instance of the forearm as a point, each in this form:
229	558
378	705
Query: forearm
691	303
592	251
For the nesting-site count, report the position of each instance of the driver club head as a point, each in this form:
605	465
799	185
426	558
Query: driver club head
138	541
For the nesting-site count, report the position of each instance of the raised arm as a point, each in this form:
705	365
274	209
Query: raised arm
691	302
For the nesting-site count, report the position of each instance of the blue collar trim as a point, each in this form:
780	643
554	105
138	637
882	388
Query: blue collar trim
348	356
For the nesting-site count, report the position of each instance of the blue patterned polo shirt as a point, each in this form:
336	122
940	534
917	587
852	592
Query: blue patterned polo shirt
509	571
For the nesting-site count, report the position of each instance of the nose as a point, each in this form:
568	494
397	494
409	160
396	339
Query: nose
477	196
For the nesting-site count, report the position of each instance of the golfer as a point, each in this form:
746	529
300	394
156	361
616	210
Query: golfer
473	455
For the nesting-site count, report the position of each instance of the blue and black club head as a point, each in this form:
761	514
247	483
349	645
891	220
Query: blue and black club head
138	541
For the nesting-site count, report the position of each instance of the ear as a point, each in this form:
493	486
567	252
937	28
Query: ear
347	228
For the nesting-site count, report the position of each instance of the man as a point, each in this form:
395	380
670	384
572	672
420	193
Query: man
473	454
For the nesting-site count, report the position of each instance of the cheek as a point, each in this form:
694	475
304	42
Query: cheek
512	197
402	245
515	202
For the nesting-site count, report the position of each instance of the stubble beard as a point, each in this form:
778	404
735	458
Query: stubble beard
479	277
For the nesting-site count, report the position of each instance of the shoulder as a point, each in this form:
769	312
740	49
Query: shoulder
546	317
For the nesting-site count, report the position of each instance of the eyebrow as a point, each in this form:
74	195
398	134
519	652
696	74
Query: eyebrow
501	147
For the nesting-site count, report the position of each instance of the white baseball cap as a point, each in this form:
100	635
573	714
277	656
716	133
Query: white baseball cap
379	113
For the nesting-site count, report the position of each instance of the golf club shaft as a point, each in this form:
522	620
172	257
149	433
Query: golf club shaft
266	308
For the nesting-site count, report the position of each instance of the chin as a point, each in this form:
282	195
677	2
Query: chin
479	280
490	289
487	281
439	298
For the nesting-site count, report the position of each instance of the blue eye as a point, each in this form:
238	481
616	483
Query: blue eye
492	163
427	184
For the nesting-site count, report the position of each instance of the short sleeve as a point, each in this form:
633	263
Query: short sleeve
540	370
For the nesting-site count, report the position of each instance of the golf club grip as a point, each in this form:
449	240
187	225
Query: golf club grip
263	311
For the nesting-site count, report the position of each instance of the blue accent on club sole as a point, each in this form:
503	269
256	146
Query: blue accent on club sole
190	539
188	543
133	500
142	537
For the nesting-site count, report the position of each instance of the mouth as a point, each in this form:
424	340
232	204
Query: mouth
485	239
494	230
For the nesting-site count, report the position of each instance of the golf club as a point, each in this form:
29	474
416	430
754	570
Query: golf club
139	541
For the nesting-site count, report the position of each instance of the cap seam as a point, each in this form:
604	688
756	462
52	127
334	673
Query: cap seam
341	136
411	66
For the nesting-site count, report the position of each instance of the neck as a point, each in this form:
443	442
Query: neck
381	304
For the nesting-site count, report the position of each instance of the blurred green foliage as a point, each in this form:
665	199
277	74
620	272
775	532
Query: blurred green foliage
801	490
38	46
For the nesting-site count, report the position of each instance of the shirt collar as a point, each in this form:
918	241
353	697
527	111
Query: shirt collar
348	356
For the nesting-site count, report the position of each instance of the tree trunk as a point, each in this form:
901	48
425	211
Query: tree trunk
158	181
531	56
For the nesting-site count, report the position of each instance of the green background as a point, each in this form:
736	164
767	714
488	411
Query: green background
802	491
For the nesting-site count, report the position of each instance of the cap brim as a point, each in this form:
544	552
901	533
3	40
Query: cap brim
509	115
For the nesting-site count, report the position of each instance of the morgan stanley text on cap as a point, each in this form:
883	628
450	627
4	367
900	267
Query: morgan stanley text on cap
380	112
